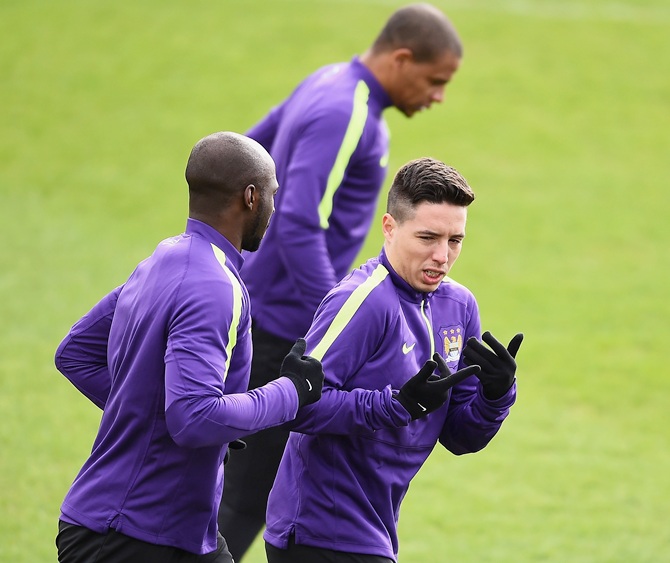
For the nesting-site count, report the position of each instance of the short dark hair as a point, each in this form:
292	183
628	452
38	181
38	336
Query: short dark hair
430	180
219	168
423	29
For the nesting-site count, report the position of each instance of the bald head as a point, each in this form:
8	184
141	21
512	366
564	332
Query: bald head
423	29
220	168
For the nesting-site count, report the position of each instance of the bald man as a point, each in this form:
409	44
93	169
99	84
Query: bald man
330	141
167	356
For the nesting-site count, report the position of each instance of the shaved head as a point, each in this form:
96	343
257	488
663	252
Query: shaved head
221	166
231	186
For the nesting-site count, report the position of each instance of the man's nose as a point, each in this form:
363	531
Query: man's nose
441	253
438	95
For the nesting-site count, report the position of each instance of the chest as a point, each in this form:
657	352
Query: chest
420	330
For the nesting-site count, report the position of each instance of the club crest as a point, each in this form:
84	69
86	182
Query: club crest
452	340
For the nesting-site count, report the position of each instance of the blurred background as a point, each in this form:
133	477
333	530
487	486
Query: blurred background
559	118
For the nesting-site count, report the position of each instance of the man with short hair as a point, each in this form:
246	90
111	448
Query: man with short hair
349	461
167	356
330	141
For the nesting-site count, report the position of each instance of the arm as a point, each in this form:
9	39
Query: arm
422	394
200	360
351	412
473	421
210	420
481	406
82	355
345	346
265	130
317	165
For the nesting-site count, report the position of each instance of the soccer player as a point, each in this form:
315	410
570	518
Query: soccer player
389	336
167	357
330	142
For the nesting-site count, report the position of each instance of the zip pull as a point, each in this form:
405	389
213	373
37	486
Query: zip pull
429	325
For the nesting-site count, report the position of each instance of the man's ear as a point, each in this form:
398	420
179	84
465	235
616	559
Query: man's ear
249	193
388	225
402	56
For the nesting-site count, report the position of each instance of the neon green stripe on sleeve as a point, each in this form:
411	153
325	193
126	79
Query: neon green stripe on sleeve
351	305
359	116
237	306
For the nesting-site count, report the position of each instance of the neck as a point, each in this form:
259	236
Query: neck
377	65
226	227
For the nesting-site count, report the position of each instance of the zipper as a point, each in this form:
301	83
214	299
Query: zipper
429	325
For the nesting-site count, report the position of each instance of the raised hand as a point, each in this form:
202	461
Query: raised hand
498	364
425	392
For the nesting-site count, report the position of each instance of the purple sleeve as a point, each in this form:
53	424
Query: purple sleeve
472	421
345	406
211	420
346	412
199	366
82	355
265	130
304	249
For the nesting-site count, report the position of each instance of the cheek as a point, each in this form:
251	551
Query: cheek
412	88
416	90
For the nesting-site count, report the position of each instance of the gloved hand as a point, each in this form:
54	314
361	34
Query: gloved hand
234	445
498	364
305	372
425	392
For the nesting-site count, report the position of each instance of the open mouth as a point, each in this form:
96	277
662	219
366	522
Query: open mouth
433	276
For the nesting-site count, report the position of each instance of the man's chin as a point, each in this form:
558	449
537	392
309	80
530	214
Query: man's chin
252	246
424	287
407	112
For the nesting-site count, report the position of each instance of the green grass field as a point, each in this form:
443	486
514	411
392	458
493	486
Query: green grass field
560	120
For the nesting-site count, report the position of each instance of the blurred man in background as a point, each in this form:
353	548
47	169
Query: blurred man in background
330	142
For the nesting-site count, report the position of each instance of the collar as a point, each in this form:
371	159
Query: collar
404	289
376	90
211	235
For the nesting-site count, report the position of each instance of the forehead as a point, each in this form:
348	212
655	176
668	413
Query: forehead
439	218
440	69
268	174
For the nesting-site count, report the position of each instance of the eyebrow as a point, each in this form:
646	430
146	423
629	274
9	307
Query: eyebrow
436	234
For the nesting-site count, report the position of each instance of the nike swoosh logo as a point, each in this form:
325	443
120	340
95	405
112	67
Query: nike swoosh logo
407	349
309	384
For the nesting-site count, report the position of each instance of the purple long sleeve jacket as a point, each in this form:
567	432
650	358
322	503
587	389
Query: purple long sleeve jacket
167	357
330	143
352	455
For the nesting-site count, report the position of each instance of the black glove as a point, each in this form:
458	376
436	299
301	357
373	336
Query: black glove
305	372
426	392
498	364
234	445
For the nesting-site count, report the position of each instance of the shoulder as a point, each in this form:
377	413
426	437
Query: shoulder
333	91
367	290
209	278
360	308
455	291
456	303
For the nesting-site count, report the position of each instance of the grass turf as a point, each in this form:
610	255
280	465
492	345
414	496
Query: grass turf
559	120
